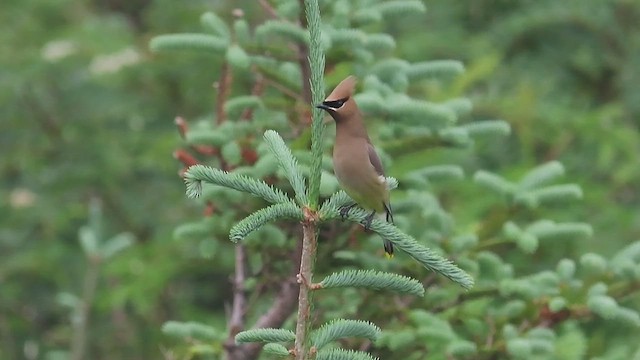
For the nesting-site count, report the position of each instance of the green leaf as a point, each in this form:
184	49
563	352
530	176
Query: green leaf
440	172
519	348
556	194
316	62
594	263
494	182
265	335
197	230
198	173
237	57
116	244
341	354
207	137
190	330
276	349
341	328
401	7
231	153
380	42
286	210
372	279
541	175
435	69
566	269
288	163
488	127
195	42
420	253
557	304
236	105
276	28
214	23
88	241
462	348
331	207
603	305
241	31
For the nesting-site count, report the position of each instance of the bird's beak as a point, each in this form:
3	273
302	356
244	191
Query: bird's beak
323	107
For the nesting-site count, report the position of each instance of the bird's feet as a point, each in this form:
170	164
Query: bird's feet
368	219
344	211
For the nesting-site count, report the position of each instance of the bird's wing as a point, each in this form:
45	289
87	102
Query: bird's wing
375	160
377	164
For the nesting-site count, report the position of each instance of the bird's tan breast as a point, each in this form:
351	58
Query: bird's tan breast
356	174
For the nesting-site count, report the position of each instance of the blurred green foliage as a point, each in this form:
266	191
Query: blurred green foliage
87	113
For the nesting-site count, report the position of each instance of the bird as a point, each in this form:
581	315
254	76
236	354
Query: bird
355	162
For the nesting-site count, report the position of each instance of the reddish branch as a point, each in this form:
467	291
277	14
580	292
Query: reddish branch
302	50
182	126
305	278
236	320
257	90
223	91
282	307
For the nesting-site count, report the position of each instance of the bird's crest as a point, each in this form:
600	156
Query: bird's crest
344	90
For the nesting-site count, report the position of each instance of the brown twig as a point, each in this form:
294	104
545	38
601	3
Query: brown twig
305	278
257	90
284	90
238	311
268	8
223	91
280	310
302	50
183	127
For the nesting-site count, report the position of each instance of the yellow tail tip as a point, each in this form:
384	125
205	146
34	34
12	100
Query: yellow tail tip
388	255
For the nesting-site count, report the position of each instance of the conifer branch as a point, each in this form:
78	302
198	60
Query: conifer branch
212	22
315	65
196	42
420	253
488	127
341	328
341	354
434	69
244	227
199	173
236	106
330	208
288	163
265	335
276	349
316	61
372	279
541	175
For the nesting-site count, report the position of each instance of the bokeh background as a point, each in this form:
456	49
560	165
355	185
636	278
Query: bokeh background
87	136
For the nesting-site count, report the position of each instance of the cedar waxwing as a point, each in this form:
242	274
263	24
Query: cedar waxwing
355	162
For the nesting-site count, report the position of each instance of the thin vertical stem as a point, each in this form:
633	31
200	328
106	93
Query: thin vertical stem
238	310
310	233
223	91
305	278
316	61
81	323
303	59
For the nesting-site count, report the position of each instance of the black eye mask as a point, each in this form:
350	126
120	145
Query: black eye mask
335	104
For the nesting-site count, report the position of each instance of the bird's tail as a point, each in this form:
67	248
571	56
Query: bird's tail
388	248
388	245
